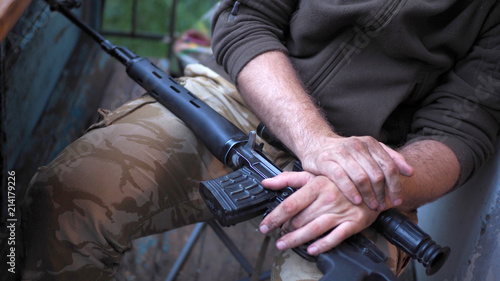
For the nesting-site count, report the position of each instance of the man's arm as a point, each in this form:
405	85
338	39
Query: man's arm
436	171
360	166
273	91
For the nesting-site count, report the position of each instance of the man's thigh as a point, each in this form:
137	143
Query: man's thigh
133	173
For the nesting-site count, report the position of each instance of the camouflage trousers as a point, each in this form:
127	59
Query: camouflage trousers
132	174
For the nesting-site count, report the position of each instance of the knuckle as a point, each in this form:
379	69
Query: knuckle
390	168
342	233
360	180
355	143
369	140
294	223
288	206
378	178
337	172
286	228
316	229
329	221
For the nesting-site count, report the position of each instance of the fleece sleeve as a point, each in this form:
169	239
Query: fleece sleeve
243	29
463	112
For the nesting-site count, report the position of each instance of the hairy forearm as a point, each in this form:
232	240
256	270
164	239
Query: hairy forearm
436	171
273	91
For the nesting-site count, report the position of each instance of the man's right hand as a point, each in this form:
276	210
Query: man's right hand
361	167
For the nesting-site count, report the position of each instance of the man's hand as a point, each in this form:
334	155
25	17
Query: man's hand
361	167
318	207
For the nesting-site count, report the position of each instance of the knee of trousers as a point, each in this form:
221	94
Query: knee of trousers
129	178
64	231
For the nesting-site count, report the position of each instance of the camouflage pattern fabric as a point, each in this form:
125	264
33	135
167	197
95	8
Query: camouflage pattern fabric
132	174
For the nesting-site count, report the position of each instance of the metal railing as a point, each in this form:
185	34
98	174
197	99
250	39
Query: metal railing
168	38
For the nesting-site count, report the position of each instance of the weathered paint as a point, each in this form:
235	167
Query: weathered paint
468	220
51	83
41	58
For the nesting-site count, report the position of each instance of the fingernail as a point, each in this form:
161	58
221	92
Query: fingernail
357	199
281	245
374	204
397	202
312	250
264	229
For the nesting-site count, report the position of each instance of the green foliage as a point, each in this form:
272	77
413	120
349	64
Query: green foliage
153	16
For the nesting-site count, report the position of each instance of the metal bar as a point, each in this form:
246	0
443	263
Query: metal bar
260	259
142	35
231	247
263	276
134	16
173	13
170	38
101	15
179	263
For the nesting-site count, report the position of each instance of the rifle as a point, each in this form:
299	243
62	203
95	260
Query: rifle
239	196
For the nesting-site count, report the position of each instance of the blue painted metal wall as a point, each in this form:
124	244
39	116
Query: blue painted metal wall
51	83
33	66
